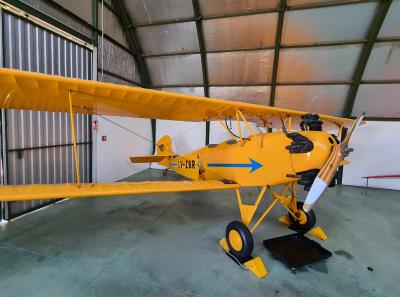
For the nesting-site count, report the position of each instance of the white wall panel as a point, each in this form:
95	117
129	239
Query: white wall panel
186	136
113	162
375	153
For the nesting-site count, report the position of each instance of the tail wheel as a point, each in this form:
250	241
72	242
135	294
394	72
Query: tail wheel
239	239
304	221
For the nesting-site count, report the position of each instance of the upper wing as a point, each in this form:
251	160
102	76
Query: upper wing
35	91
38	192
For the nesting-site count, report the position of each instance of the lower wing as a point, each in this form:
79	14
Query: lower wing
57	191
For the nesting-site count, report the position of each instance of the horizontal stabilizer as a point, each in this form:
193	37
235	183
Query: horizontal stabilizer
148	159
56	191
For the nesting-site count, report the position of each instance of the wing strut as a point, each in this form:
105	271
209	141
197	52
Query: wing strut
73	132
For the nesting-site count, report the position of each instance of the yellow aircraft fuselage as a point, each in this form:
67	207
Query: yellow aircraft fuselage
262	159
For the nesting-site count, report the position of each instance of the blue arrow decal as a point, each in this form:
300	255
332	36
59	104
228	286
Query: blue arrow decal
254	165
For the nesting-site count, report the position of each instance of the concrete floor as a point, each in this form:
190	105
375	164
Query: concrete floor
167	245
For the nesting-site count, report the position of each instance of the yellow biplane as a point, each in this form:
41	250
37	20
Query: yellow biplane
299	152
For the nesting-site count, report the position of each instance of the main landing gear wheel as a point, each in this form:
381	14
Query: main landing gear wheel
239	239
165	172
305	221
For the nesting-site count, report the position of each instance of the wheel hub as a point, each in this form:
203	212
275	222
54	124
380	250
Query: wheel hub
235	240
301	217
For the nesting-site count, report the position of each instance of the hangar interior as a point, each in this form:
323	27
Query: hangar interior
336	57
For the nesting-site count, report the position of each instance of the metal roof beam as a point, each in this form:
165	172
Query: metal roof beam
373	32
278	37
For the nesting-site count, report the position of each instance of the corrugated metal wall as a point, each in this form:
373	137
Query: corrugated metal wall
39	144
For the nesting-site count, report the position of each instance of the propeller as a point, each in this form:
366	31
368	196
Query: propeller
328	171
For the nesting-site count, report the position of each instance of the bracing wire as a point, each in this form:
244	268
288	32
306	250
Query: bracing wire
126	129
149	140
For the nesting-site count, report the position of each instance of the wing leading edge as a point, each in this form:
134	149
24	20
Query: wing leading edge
36	91
57	191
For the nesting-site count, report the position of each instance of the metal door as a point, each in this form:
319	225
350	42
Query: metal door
38	144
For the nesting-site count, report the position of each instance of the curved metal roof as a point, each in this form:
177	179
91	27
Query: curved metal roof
335	57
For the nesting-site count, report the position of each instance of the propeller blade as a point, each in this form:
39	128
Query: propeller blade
355	124
328	171
324	177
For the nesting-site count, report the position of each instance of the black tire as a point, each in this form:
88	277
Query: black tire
308	225
245	236
165	172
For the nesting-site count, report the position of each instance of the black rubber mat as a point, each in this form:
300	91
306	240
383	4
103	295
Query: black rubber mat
296	250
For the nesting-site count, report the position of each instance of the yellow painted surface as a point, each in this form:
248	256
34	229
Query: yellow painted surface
284	220
256	266
147	159
318	232
73	132
318	156
344	162
302	217
187	165
224	244
37	192
35	91
164	146
235	240
247	213
275	161
273	156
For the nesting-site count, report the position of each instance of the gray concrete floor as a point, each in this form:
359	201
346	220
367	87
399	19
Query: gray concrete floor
167	245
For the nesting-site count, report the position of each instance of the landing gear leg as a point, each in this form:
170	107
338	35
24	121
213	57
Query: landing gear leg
301	221
238	243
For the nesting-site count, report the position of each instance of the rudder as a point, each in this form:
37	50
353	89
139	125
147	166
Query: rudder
164	146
